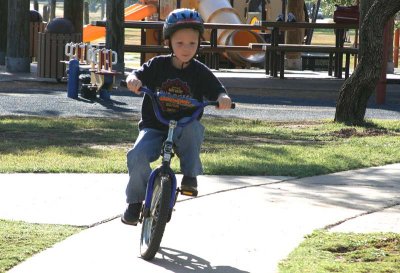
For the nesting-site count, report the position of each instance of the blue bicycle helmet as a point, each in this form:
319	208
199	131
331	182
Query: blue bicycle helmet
182	18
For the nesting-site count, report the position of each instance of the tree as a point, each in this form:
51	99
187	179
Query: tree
17	57
73	11
3	29
115	36
358	88
296	7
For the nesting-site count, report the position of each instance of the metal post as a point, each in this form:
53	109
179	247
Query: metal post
73	79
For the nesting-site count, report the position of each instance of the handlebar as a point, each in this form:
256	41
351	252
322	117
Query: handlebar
159	96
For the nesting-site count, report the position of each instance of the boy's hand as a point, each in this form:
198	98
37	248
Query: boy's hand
224	101
133	84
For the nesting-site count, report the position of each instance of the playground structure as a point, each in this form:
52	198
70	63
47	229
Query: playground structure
232	42
238	40
134	12
101	77
212	11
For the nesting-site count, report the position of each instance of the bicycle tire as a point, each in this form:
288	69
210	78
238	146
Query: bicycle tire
153	225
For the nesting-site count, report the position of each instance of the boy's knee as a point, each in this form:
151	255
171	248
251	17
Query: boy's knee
195	130
133	156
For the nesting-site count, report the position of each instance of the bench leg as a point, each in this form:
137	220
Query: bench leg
330	64
347	68
340	68
273	66
266	62
282	65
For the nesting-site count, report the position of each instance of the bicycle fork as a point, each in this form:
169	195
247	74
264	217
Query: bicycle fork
163	171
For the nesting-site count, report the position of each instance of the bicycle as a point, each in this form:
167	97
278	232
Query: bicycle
162	191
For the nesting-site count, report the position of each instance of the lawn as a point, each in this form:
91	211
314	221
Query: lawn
326	252
19	240
254	147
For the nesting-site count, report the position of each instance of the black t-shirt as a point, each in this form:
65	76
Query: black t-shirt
195	81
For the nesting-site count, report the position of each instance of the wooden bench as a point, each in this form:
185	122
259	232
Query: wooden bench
283	48
204	49
212	50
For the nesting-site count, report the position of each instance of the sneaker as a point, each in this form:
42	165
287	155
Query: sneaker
189	186
132	214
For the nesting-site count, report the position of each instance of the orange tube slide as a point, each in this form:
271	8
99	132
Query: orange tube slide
134	12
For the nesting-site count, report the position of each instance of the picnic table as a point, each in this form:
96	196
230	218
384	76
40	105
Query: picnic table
276	46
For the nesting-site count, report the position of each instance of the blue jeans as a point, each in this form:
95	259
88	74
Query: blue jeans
187	140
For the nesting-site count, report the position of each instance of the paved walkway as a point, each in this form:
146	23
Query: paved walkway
237	224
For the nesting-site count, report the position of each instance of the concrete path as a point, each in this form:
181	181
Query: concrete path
237	224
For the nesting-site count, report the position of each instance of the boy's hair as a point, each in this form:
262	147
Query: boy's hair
180	19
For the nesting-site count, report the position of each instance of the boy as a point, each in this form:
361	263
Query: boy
180	74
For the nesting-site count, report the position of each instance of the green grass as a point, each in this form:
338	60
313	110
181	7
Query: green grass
326	252
231	147
19	240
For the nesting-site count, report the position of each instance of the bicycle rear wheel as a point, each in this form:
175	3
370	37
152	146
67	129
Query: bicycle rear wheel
154	223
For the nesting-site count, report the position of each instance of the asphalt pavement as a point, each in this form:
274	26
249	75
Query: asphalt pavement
304	95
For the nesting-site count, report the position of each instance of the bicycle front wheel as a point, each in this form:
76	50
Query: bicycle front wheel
155	221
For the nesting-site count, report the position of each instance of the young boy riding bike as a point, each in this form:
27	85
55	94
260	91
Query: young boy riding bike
180	74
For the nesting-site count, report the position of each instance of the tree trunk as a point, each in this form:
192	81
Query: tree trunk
115	35
358	88
36	5
53	6
293	59
3	29
73	11
103	10
390	65
86	13
17	58
46	13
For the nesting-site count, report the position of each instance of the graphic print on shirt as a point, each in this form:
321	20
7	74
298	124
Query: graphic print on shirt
180	89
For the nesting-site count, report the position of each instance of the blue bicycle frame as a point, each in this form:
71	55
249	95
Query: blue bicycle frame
165	168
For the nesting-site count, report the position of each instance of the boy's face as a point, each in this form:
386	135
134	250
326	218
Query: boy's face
184	43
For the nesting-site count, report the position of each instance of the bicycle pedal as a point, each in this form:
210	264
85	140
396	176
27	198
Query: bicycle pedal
188	192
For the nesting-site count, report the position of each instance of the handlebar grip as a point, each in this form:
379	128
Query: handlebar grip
123	84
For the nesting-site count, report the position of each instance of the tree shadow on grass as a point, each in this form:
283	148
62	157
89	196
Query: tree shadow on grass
72	136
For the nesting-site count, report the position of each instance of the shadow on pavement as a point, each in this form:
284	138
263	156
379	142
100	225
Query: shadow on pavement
182	262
